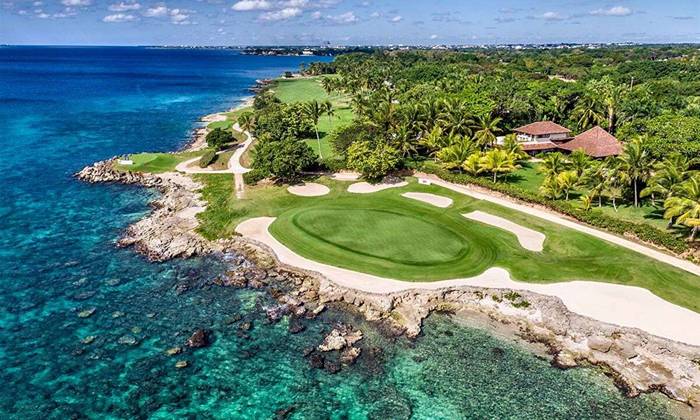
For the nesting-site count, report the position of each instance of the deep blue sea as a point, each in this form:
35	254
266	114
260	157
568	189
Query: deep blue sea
63	108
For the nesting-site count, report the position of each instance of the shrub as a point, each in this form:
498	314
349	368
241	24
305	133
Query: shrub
373	161
593	217
253	177
284	160
208	158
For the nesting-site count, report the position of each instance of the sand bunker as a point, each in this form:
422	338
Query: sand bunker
346	176
309	189
367	188
528	238
435	200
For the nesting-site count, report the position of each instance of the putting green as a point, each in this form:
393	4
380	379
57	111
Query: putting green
379	234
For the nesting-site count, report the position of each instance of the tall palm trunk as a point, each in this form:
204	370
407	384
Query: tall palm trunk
693	233
494	177
318	139
636	199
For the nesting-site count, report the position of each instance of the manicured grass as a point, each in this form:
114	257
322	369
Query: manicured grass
157	162
308	89
391	236
527	178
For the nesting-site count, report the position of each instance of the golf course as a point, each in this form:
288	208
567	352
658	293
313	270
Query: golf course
389	235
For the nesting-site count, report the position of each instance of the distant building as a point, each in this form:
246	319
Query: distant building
596	143
542	136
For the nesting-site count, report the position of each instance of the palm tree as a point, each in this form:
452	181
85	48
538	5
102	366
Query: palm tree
588	112
497	161
685	206
579	162
616	178
434	140
595	178
328	85
472	165
457	152
403	140
513	146
553	164
329	111
667	176
567	180
586	201
550	188
487	128
246	121
637	163
314	111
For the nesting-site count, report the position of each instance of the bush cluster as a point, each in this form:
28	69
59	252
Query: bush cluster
644	232
207	158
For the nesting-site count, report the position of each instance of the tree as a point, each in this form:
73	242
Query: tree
637	163
218	138
372	160
667	178
579	162
472	165
457	152
328	84
586	201
596	178
567	180
284	159
553	164
487	128
685	206
329	111
588	113
314	111
497	162
246	121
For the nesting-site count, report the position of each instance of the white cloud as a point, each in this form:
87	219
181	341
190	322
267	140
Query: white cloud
294	3
180	17
282	14
156	11
76	3
552	16
433	36
344	18
118	18
248	5
124	7
316	15
613	11
396	19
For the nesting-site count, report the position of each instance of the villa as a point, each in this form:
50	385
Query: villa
542	136
548	136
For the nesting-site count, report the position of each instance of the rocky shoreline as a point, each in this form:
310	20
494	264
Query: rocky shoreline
637	361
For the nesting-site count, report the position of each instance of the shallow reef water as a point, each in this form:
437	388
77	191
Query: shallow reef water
85	326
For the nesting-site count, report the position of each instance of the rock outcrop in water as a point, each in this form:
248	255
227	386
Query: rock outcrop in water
637	361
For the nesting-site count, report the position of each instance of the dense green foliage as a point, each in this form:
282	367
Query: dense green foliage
218	138
284	159
207	158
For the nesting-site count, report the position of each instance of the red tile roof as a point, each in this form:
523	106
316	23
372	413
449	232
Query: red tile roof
595	142
541	128
532	146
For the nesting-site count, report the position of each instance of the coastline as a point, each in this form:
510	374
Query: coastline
637	361
198	138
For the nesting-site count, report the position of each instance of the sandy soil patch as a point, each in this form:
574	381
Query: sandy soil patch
367	188
627	306
528	238
309	189
214	118
346	176
434	199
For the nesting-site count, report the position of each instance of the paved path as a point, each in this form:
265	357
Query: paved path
626	306
234	164
554	218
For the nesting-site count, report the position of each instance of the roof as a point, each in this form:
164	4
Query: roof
595	142
532	146
542	127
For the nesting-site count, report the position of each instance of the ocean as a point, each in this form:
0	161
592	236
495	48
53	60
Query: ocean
62	108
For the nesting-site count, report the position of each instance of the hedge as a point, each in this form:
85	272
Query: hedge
643	231
207	158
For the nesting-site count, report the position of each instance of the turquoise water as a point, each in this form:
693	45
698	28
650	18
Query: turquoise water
63	108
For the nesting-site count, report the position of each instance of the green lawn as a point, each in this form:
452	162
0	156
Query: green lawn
157	162
388	235
308	89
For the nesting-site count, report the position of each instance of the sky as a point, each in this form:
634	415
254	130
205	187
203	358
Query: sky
345	22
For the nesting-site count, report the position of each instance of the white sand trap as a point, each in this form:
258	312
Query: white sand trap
627	306
346	176
309	189
435	200
367	188
528	238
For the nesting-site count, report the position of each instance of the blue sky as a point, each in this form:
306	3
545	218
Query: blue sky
347	22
